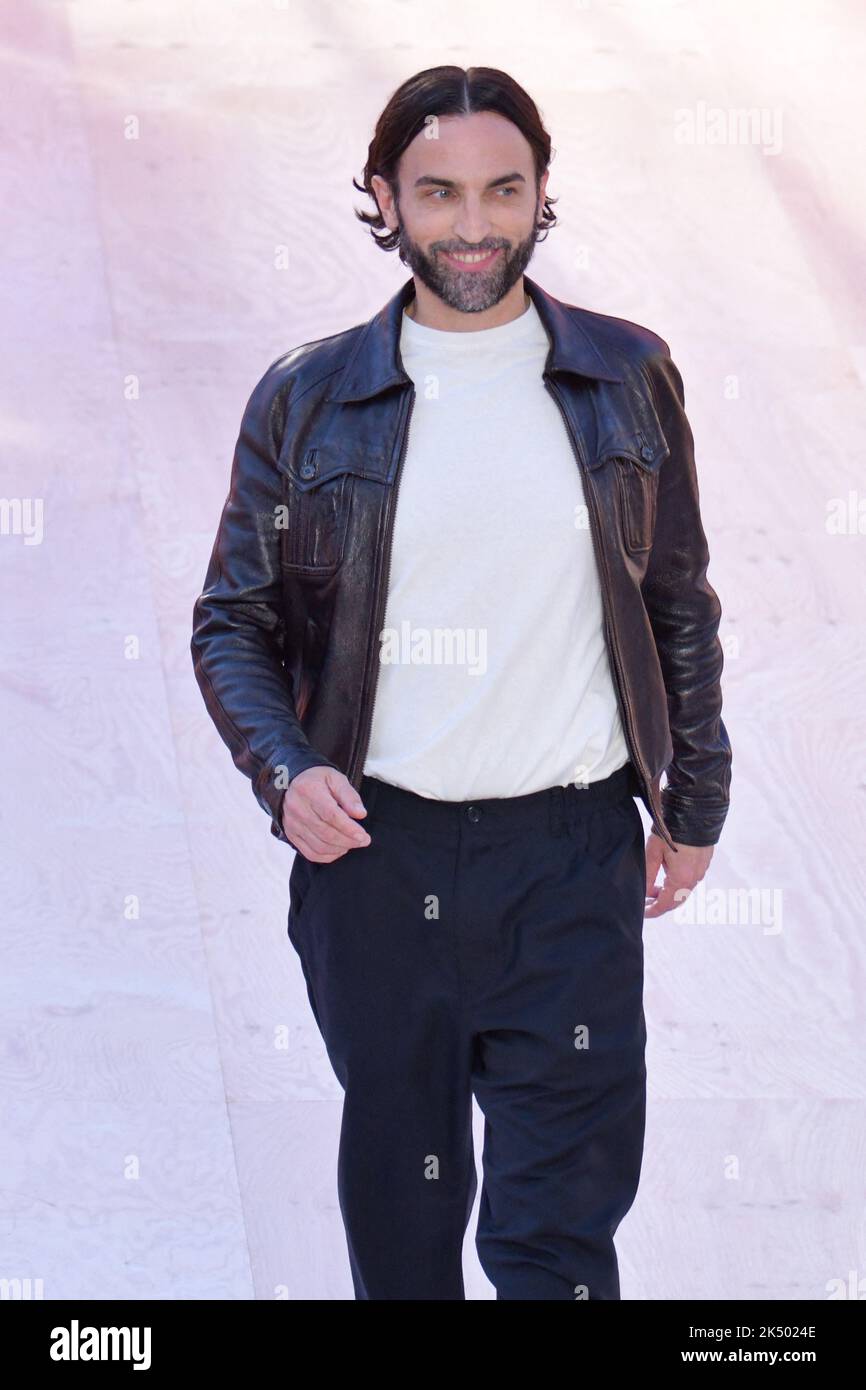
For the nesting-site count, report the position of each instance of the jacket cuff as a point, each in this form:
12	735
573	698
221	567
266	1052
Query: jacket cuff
693	822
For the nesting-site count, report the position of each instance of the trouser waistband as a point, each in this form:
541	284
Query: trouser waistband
558	807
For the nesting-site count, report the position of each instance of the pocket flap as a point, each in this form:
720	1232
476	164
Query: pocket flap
645	447
319	463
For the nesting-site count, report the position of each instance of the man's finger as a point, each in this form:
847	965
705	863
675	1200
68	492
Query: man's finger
667	899
329	816
347	797
308	850
319	833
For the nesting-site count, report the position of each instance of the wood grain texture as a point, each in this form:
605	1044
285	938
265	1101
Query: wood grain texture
170	1117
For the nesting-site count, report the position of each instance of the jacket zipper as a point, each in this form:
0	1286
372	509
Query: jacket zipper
609	627
357	769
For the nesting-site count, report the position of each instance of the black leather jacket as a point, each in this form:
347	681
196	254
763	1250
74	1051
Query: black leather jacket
285	634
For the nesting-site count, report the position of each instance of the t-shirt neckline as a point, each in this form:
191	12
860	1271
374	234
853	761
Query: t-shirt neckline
423	334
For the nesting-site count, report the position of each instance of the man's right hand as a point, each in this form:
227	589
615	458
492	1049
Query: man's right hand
317	815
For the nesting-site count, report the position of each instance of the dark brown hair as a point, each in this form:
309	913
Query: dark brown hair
448	91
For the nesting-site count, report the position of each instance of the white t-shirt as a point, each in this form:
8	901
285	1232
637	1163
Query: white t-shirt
494	677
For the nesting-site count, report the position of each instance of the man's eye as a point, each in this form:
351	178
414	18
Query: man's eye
437	191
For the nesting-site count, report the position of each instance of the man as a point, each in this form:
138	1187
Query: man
455	619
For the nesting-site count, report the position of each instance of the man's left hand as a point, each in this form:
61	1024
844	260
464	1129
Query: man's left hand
683	871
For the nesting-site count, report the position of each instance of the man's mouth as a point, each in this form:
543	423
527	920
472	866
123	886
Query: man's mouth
472	260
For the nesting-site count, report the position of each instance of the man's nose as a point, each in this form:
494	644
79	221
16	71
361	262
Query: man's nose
472	225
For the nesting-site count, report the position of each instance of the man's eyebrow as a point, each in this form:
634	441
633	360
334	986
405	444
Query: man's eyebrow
426	179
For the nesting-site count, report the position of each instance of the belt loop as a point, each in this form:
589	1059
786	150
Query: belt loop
556	805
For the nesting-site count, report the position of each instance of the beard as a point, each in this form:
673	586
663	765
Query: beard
470	291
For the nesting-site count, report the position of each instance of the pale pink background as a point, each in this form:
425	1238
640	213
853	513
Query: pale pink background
169	1117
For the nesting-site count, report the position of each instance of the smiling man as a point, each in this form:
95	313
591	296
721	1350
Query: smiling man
479	459
457	275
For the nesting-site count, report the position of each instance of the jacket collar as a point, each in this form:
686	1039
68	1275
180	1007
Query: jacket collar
376	363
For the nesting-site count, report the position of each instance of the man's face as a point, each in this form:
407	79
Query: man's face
470	190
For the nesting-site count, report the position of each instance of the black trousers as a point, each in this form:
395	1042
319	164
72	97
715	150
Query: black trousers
492	948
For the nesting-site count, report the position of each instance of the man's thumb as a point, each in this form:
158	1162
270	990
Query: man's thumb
348	798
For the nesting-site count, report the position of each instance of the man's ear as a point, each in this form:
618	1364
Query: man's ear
385	201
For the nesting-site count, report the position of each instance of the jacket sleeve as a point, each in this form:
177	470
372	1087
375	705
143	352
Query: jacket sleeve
238	628
684	612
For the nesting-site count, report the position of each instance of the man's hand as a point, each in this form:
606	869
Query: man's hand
683	871
317	811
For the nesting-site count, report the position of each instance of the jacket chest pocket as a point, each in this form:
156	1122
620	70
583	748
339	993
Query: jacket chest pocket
637	463
317	500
